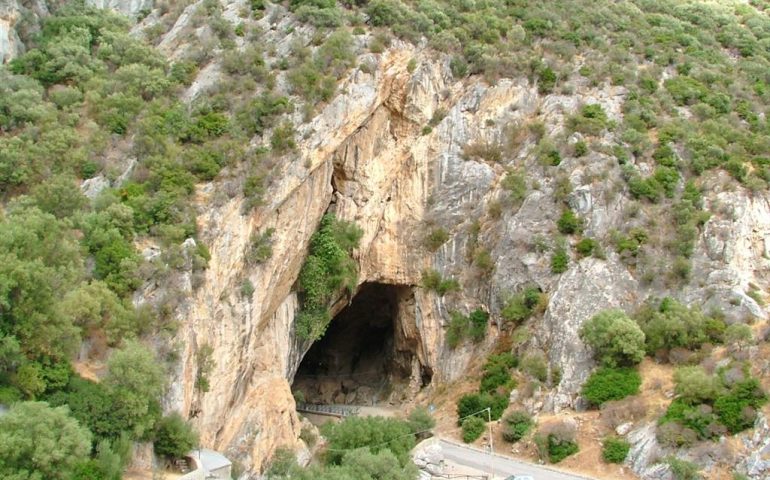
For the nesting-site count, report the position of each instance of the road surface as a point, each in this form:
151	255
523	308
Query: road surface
502	466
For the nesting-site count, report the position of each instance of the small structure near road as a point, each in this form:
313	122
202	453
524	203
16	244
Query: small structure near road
208	465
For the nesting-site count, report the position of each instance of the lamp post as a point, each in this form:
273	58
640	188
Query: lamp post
491	443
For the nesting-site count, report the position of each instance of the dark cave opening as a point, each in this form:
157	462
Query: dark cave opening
357	362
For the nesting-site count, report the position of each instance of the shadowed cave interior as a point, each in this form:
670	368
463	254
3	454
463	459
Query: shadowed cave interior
356	362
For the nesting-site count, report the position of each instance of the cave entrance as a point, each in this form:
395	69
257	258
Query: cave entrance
358	361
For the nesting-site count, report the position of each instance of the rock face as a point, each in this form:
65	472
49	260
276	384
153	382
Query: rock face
10	43
128	7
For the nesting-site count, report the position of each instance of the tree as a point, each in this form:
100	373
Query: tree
694	385
473	427
174	437
376	433
615	338
38	442
135	381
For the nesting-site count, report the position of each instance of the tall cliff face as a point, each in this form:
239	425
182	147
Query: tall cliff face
367	156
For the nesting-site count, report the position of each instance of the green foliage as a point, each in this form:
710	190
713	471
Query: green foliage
328	268
559	449
432	280
135	381
520	306
569	223
376	434
515	182
421	421
174	437
436	238
615	338
615	450
497	374
559	260
477	403
473	326
672	325
682	469
37	441
737	409
694	385
607	384
587	247
591	120
473	427
261	249
516	425
536	365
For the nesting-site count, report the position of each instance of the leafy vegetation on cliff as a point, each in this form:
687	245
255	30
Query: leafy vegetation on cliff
328	270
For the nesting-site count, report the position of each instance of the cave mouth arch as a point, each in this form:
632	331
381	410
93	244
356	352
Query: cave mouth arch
361	360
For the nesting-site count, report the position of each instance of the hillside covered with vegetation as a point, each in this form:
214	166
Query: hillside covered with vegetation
89	94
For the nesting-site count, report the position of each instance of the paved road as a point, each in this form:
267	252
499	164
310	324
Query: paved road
503	466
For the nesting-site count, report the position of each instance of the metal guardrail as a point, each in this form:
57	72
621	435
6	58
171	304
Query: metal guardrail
331	410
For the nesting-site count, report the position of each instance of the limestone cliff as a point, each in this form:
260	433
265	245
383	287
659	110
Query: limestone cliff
367	156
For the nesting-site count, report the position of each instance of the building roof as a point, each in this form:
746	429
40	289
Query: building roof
210	459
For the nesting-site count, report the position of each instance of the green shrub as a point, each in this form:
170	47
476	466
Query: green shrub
174	437
328	268
559	260
436	238
587	247
615	338
694	385
516	183
559	449
473	326
497	374
373	433
523	304
478	403
672	325
569	223
473	427
737	409
581	148
615	450
682	469
432	280
516	425
261	248
607	384
420	421
591	120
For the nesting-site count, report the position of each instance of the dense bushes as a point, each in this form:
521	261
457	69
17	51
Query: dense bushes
607	384
373	433
516	425
174	438
478	403
615	450
615	338
708	406
671	325
473	427
327	269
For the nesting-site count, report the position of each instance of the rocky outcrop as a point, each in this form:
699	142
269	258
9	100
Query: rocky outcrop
127	7
10	43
